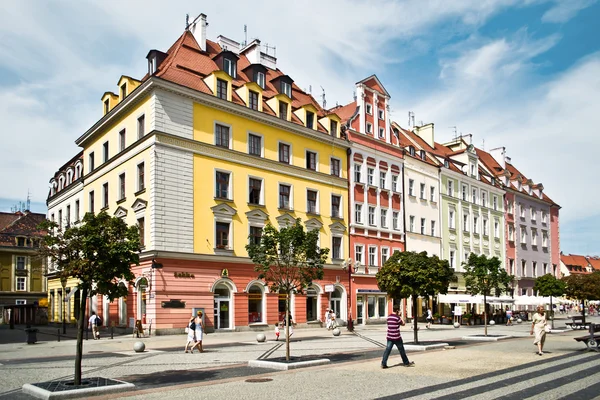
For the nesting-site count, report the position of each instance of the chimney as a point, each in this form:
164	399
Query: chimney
425	132
252	51
499	154
199	32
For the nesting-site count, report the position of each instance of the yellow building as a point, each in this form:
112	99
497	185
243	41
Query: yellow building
205	150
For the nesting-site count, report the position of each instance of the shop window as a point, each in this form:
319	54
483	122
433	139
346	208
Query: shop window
335	301
312	311
255	304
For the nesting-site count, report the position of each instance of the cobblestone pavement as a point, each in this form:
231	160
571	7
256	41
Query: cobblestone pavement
504	369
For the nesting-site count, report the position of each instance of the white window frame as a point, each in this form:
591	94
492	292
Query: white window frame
475	223
373	220
381	133
496	228
483	199
411	187
511	233
358	170
452	218
495	202
450	187
215	123
359	253
369	127
318	200
411	223
262	143
395	183
369	108
230	66
385	253
395	220
466	221
423	227
341	253
433	228
286	88
465	189
17	280
452	258
229	184
533	212
229	235
422	192
260	79
474	195
370	176
484	223
380	114
374	254
261	200
382	179
383	216
523	235
432	194
358	212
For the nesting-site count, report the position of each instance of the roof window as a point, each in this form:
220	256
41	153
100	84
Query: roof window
286	88
230	66
259	78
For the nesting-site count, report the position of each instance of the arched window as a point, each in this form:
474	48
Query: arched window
222	299
335	302
142	287
123	308
255	304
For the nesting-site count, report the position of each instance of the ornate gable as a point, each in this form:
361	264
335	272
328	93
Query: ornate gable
139	205
285	220
120	212
313	224
257	216
223	210
337	227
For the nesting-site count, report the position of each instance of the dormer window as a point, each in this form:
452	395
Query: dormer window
222	89
310	119
446	164
411	150
333	128
253	100
283	110
422	154
259	78
106	106
286	89
123	91
230	66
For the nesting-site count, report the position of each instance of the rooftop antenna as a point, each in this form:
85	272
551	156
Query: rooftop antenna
310	89
455	131
354	94
245	34
267	48
483	144
187	21
28	201
323	97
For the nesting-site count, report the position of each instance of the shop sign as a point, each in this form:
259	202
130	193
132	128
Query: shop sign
329	288
183	275
173	304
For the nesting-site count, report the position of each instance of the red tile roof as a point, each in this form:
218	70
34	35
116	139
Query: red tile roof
344	112
595	261
23	224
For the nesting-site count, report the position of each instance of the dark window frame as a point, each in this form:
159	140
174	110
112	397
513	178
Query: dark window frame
284	196
222	133
253	99
311	160
311	201
222	89
222	184
255	145
336	202
222	230
254	191
284	153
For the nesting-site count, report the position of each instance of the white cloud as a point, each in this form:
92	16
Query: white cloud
564	10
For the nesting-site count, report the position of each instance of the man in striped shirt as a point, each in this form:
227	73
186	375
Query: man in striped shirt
393	338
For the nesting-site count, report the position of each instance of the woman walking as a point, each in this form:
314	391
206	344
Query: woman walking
538	326
199	331
191	334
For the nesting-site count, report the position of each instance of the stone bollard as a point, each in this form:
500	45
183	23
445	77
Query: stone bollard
139	347
336	332
261	338
519	321
456	325
492	322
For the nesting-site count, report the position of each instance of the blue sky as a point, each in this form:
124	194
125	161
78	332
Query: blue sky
524	74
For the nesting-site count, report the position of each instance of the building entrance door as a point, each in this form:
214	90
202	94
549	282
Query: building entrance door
359	310
222	313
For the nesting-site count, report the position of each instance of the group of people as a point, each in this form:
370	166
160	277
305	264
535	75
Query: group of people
282	324
330	321
195	331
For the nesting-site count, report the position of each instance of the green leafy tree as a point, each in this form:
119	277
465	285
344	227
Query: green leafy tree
288	260
407	274
486	276
99	253
548	285
582	287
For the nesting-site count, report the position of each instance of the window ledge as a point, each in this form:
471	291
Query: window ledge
223	199
285	209
140	192
122	200
258	325
433	202
313	213
224	252
256	205
337	218
412	195
104	208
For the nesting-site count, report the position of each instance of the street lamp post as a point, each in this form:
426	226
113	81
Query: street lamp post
349	265
63	282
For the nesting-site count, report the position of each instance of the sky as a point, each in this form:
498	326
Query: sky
523	74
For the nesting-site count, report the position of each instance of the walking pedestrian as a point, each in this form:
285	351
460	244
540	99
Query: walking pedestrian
327	319
429	318
508	316
94	324
538	326
277	330
394	338
191	334
199	331
291	324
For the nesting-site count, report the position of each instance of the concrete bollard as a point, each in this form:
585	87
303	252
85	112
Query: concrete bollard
58	334
336	332
139	347
261	338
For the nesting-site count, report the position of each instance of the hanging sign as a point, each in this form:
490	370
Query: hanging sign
329	288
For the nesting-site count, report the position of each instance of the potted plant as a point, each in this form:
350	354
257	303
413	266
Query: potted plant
467	318
436	317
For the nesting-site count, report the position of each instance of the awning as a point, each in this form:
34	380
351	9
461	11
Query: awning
468	299
537	300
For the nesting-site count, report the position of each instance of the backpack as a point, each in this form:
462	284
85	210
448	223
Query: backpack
98	320
193	325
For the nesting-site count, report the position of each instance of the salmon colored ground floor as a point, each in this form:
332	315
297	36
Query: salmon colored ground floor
229	294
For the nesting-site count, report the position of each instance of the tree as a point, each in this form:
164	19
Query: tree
548	285
583	287
288	260
99	253
414	274
486	276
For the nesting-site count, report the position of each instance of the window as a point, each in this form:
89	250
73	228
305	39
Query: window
483	199
422	154
254	191
509	206
395	219
534	237
20	262
371	216
254	145
545	268
122	187
411	150
380	113
333	127
335	206
369	109
372	256
253	100
411	187
496	229
140	177
311	160
358	254
260	79
432	194
91	202
310	119
311	202
474	198
395	183
91	161
522	210
511	233
422	191
511	266
412	223
20	284
284	153
544	217
466	222
222	229
222	136
370	173
475	220
283	108
76	210
229	66
451	222
357	174
451	259
534	268
385	254
105	195
533	213
222	185
523	235
122	140
284	196
450	188
544	239
335	167
141	126
255	235
106	106
382	176
432	228
123	91
142	229
286	89
358	213
464	192
422	226
105	151
472	170
336	244
485	227
222	89
381	133
383	218
495	203
60	219
369	127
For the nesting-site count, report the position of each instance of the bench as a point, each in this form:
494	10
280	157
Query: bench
592	341
576	323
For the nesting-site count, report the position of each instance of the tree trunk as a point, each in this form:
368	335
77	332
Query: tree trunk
484	315
582	312
287	326
80	326
552	311
415	328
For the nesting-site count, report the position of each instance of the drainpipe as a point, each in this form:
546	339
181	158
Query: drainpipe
403	205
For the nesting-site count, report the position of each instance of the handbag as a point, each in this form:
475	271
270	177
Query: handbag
547	328
187	329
